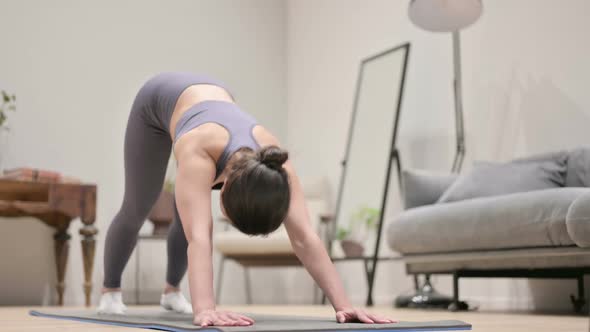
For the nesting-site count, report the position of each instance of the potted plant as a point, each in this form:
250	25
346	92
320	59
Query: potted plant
353	237
7	103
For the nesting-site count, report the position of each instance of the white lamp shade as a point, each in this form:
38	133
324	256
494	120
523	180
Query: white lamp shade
444	15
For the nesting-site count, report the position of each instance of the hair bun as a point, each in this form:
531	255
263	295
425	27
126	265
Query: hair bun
272	156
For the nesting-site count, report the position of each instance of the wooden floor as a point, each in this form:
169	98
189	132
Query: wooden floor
16	319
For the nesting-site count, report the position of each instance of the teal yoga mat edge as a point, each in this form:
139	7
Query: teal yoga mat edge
104	322
163	327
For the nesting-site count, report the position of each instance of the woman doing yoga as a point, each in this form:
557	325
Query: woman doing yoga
216	145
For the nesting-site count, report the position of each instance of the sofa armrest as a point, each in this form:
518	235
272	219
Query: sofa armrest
424	188
519	220
578	221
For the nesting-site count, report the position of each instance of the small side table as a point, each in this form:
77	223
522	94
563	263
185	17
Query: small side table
57	205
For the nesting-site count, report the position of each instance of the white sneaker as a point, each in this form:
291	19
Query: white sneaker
176	302
111	303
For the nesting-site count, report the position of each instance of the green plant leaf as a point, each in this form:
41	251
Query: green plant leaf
342	233
5	96
372	216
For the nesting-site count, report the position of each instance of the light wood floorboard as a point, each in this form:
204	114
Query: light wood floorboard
16	319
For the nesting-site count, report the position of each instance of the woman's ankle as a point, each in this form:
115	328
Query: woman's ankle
170	289
110	290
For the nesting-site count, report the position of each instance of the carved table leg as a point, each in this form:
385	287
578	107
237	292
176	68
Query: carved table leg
88	245
62	246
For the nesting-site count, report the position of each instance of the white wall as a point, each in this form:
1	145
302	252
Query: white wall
525	80
76	66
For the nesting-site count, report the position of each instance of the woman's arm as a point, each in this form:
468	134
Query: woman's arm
193	199
309	248
311	252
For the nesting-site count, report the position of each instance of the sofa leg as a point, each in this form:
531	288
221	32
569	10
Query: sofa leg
454	306
579	302
457	305
424	297
455	288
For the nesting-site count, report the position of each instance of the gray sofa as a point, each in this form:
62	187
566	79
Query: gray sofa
536	233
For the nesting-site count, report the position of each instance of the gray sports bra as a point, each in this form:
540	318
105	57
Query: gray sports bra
160	95
238	123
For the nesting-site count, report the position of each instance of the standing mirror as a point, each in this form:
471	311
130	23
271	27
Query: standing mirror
370	156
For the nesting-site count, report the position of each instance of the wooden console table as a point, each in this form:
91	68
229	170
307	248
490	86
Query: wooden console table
56	204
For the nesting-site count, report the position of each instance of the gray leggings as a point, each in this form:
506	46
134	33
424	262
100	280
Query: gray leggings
147	150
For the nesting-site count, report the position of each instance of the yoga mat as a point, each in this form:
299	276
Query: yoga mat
159	319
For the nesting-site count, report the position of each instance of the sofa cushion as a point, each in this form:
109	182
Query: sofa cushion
578	168
520	220
578	221
493	179
556	156
424	188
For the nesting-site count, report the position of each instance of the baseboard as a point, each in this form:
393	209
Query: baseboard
152	296
483	303
489	303
501	303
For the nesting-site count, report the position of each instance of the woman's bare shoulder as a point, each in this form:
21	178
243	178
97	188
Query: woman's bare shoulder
206	141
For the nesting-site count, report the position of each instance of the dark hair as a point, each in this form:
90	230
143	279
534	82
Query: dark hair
256	193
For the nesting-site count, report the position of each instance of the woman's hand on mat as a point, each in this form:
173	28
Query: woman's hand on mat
221	318
353	315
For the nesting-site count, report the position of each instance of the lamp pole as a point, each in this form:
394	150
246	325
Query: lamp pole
444	16
458	92
427	288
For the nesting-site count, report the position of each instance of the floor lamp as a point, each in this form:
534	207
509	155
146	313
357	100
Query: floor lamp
444	16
